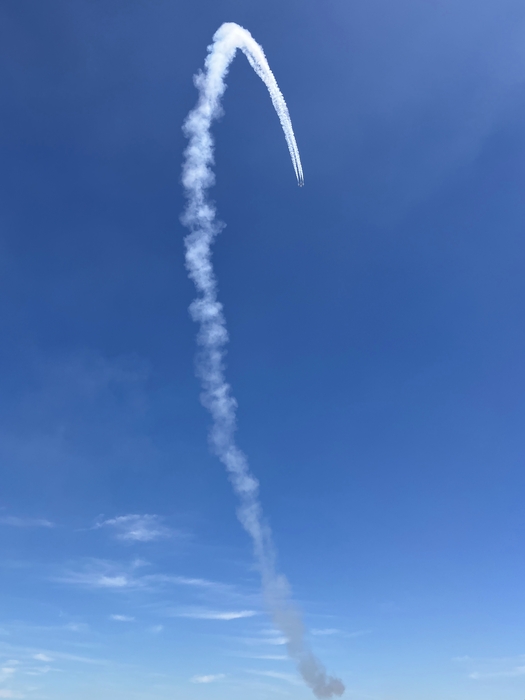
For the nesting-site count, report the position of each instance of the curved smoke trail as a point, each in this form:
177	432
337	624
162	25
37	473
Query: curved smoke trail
200	218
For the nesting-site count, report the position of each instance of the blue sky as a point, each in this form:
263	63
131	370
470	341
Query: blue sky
377	344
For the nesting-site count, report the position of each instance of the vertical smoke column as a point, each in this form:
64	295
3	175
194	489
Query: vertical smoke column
200	218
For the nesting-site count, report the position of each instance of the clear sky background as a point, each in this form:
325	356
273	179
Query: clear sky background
377	351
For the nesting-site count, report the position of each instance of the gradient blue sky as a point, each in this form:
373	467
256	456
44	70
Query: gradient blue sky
377	351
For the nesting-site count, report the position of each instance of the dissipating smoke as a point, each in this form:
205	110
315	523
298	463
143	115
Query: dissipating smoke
200	218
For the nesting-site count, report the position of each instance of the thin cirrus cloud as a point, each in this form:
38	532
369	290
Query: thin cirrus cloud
103	573
45	655
100	580
511	673
19	629
205	588
212	678
75	658
198	583
14	521
278	675
262	657
100	573
493	669
332	631
277	641
122	578
214	614
137	528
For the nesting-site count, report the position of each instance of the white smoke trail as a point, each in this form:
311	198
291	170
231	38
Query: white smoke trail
200	218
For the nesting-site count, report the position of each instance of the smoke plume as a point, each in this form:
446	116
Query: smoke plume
200	218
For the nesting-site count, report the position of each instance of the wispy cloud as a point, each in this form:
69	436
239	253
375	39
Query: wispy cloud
214	614
7	672
122	618
62	656
33	662
331	631
99	580
274	641
39	671
262	657
212	595
359	633
22	665
15	521
100	573
197	583
279	675
103	573
77	627
490	669
208	679
510	673
19	628
137	528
